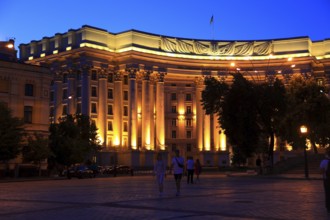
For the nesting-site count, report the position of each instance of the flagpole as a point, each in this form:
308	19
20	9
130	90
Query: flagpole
212	23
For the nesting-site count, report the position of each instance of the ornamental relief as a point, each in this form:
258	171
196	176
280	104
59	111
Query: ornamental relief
216	48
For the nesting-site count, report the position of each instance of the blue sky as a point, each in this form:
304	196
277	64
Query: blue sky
27	20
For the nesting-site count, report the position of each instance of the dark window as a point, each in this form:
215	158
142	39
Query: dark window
126	79
78	108
65	94
173	109
28	90
52	96
79	91
110	78
110	126
173	96
110	112
65	78
64	110
110	94
188	97
94	108
94	93
188	134
125	111
188	110
188	122
126	95
94	75
125	127
174	122
28	114
173	134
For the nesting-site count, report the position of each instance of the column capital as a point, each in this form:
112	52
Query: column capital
103	73
118	76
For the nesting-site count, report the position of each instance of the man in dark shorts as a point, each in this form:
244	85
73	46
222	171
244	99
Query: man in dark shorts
178	166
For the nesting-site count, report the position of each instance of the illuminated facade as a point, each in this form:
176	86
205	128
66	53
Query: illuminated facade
144	90
25	90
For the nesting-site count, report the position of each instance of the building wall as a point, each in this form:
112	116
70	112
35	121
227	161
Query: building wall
150	77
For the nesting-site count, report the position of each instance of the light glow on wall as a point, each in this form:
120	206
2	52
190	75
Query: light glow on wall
223	141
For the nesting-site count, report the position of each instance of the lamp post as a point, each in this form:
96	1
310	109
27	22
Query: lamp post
303	131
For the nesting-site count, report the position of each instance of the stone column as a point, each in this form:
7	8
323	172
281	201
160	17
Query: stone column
152	115
58	93
118	109
207	132
85	89
132	110
160	112
199	113
146	111
102	106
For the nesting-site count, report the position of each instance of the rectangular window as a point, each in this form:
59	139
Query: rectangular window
188	97
126	95
110	126
78	111
188	110
188	135
188	123
125	79
64	110
94	91
65	78
28	114
28	90
125	126
173	96
94	75
51	96
110	78
110	94
110	112
79	91
4	86
173	134
174	122
125	111
173	109
65	94
94	110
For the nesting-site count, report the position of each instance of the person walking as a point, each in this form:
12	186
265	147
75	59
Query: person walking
259	166
324	166
177	166
160	172
190	170
198	169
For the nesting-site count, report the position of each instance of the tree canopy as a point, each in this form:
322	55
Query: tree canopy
73	140
11	134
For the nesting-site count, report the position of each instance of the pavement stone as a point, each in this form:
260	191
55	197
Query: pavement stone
215	196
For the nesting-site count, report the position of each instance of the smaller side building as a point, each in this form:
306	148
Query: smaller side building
25	89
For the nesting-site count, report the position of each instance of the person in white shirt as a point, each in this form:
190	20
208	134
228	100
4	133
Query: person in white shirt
190	170
177	166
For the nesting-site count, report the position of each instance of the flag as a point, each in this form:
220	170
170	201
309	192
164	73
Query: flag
211	20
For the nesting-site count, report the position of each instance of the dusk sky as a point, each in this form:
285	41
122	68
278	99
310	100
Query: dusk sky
27	20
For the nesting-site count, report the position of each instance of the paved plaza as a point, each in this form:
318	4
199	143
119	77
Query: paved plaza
216	196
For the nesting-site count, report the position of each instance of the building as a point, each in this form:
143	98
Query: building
144	90
25	89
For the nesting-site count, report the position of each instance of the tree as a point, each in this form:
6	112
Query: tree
73	140
271	106
310	106
11	134
37	150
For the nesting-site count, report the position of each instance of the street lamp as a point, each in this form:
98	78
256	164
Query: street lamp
303	131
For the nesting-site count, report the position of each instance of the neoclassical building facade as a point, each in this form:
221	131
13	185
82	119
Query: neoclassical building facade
144	90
